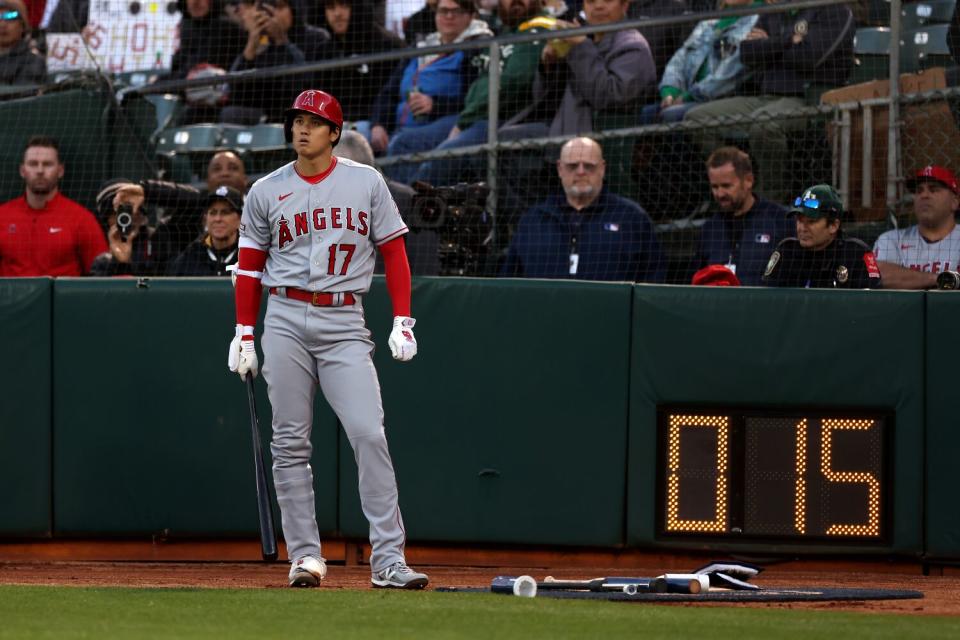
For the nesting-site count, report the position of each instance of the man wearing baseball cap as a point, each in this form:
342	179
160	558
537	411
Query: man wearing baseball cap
911	258
210	254
820	256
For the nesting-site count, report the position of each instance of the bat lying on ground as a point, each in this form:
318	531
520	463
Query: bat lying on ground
727	575
670	582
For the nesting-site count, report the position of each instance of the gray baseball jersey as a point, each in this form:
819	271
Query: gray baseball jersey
907	248
320	237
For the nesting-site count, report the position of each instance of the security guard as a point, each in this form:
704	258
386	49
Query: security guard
820	256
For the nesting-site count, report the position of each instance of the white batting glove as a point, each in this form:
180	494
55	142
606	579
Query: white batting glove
403	345
242	357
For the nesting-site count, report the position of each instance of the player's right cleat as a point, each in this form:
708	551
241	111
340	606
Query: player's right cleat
307	571
399	576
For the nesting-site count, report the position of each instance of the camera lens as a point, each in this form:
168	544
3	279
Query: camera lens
124	220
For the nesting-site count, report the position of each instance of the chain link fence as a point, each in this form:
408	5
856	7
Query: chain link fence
466	109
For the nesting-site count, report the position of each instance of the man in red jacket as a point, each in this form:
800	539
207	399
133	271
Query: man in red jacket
44	233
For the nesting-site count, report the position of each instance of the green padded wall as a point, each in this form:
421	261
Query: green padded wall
781	349
152	431
510	424
943	425
26	410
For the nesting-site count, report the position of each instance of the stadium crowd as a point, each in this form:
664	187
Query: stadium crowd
584	210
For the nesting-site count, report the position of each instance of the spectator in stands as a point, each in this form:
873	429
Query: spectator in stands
747	226
216	249
209	43
792	54
421	24
820	256
604	73
587	232
276	36
207	37
419	106
20	62
354	33
705	68
519	64
136	248
912	258
183	203
44	233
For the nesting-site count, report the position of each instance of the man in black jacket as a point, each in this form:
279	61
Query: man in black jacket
791	55
820	256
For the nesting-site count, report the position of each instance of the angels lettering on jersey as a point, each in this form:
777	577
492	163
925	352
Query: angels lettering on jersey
321	219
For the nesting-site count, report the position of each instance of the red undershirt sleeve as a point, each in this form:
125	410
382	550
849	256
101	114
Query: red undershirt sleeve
397	270
250	265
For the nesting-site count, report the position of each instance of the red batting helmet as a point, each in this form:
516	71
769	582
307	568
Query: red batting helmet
318	103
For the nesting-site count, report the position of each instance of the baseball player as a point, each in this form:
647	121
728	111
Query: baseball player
307	234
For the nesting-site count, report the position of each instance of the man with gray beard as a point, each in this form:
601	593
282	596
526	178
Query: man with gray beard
585	233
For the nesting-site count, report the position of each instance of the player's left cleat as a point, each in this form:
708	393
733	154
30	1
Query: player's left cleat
307	572
399	576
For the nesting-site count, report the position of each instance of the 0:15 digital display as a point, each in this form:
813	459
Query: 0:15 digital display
744	474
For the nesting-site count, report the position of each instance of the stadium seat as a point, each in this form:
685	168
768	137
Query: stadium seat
925	48
197	138
256	138
262	146
871	49
915	15
185	151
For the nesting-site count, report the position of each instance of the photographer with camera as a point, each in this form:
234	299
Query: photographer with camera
44	233
912	258
136	248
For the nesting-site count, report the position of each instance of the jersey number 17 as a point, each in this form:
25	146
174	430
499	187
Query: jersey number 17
347	250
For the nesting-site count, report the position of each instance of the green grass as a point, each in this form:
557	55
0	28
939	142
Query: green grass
260	614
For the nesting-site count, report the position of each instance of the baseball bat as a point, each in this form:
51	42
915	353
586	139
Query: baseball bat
630	586
686	583
268	536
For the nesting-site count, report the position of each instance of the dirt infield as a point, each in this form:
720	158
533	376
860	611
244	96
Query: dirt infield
941	593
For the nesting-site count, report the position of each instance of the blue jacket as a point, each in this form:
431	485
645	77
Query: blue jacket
719	50
746	241
613	239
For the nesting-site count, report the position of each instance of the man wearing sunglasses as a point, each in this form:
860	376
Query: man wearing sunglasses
911	258
820	256
20	63
585	233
